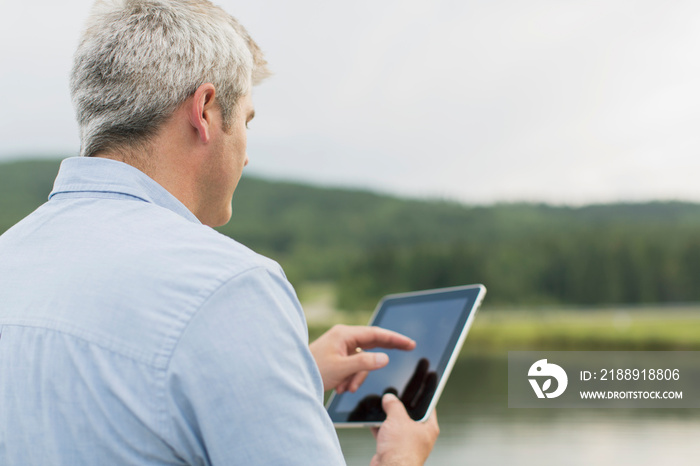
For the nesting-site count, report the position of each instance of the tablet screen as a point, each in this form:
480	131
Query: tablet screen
435	321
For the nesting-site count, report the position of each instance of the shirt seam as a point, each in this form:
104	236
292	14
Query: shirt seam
63	329
215	290
162	378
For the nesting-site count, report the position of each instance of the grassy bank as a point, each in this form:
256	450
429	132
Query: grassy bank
662	328
649	329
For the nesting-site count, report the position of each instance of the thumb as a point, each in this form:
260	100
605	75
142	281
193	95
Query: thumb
367	361
393	407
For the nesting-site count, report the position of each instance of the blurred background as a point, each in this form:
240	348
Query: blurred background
545	149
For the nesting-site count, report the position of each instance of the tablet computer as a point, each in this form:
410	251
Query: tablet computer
438	320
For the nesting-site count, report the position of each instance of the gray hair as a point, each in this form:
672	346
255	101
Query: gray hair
139	60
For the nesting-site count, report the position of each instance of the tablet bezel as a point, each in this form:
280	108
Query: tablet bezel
454	351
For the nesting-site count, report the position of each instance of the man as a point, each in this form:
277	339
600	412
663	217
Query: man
130	331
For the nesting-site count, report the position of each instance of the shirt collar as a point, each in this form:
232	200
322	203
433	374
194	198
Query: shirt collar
104	176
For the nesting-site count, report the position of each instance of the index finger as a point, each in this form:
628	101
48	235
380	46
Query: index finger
368	337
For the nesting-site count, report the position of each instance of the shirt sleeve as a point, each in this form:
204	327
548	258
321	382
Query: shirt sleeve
242	386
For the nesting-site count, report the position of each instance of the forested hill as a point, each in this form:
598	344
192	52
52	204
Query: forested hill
371	244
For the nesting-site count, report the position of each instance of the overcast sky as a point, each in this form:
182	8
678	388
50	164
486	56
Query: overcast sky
479	101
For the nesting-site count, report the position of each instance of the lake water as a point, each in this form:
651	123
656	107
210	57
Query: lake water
478	428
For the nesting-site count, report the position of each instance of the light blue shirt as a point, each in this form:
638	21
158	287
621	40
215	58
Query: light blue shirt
132	334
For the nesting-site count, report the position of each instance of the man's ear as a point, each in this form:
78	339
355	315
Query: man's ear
201	112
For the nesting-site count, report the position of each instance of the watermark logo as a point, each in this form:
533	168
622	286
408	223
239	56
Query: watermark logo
542	369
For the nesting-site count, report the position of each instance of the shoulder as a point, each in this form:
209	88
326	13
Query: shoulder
241	372
182	248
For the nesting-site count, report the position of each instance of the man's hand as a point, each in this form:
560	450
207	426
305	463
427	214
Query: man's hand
401	440
342	366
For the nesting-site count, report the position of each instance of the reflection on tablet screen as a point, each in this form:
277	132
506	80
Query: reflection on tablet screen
411	375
